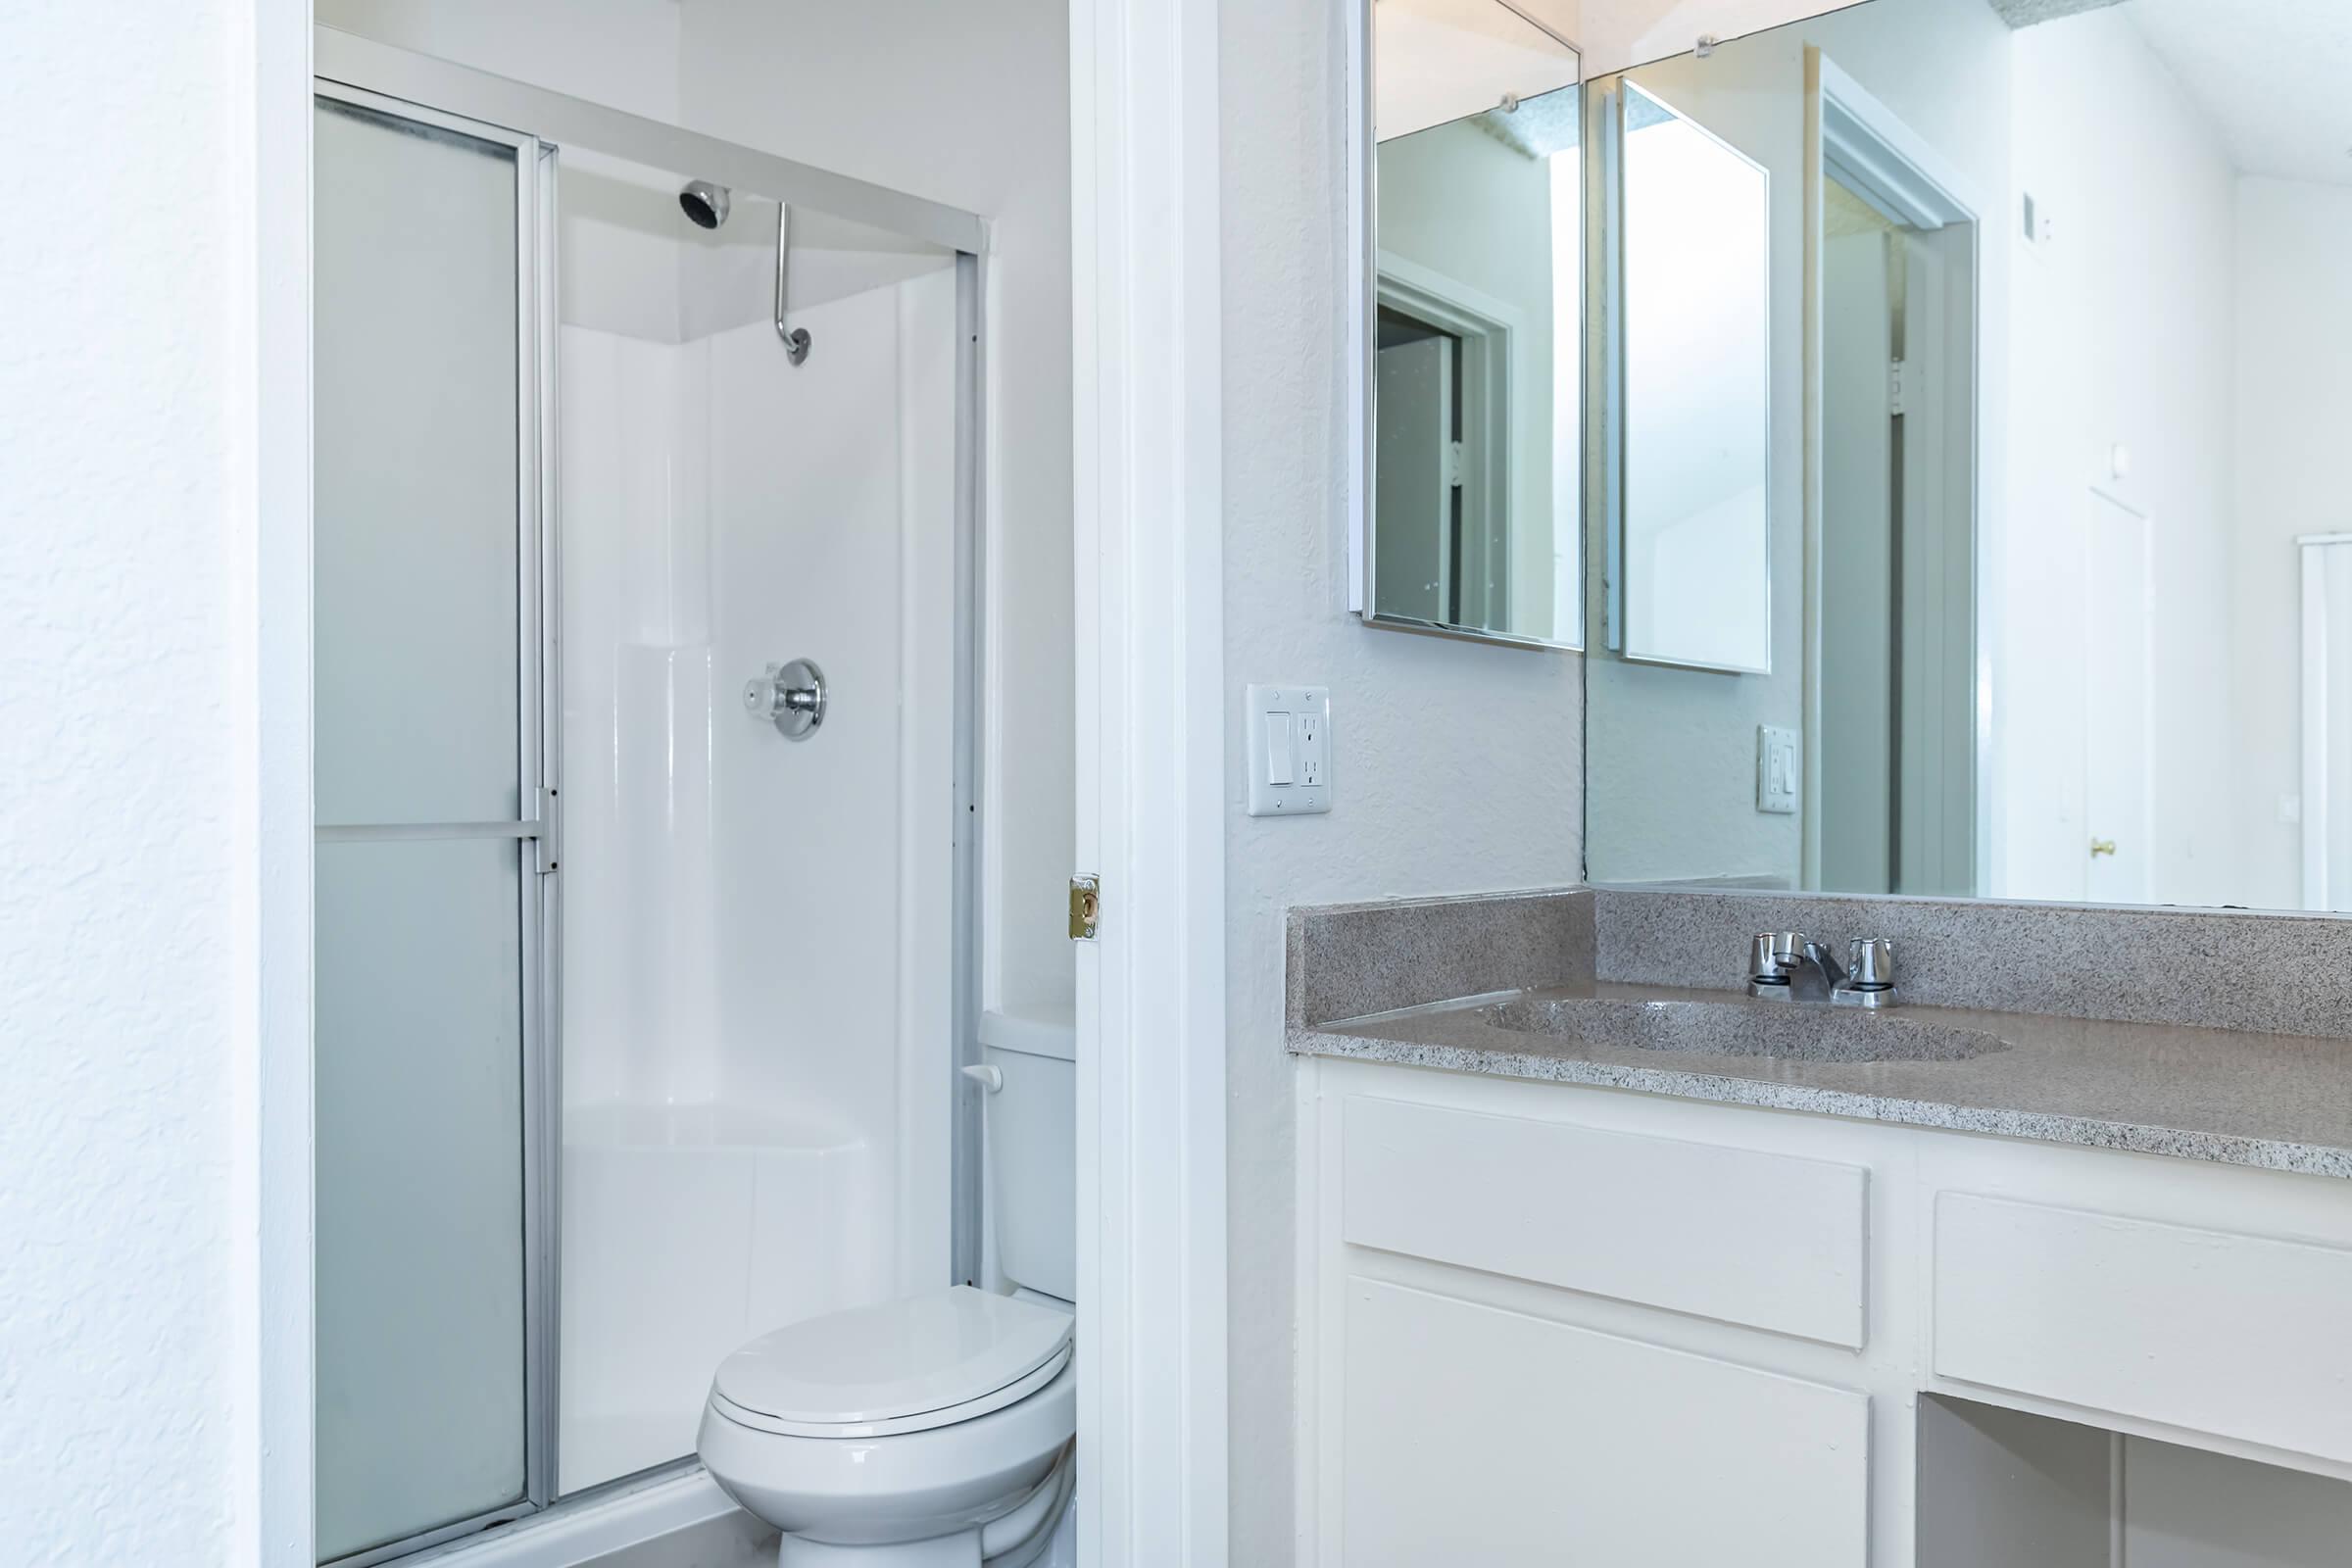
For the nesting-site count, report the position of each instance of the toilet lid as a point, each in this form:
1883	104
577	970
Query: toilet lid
900	1359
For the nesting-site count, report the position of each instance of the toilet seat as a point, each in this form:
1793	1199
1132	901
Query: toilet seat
897	1367
920	1421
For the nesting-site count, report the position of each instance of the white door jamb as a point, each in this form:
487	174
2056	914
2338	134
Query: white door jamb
1151	746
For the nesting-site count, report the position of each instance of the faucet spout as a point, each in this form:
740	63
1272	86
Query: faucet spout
1821	968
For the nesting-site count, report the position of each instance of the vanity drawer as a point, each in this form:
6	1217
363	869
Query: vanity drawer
2237	1336
1764	1241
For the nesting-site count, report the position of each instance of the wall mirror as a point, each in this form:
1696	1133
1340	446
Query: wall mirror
1472	334
1968	382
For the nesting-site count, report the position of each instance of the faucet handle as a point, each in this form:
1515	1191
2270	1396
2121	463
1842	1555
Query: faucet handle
1767	960
1870	962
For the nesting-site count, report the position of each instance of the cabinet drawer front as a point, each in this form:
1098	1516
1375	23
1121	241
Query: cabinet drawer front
2242	1337
1764	1241
1479	1435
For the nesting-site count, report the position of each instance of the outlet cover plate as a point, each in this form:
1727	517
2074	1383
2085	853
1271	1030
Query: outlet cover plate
1289	749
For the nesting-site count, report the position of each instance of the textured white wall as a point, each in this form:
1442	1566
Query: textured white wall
2122	334
127	569
1455	766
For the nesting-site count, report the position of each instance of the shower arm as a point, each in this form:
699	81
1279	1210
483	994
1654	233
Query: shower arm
795	339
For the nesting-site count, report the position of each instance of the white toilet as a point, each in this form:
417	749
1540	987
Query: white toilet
933	1432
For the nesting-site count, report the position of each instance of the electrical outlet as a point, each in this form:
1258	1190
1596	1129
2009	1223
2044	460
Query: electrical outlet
1777	770
1288	750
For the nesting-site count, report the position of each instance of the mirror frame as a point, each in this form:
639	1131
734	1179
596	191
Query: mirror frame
1362	345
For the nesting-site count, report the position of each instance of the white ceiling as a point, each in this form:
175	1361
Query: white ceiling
1439	60
2026	13
2276	75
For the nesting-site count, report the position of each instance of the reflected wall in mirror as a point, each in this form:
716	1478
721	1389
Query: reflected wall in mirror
2056	343
1475	296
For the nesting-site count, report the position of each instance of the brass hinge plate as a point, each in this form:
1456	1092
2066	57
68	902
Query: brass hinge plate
1086	908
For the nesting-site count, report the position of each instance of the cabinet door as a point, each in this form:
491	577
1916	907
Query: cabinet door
1475	1435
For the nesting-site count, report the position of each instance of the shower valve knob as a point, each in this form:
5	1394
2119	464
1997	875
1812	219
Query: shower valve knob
792	696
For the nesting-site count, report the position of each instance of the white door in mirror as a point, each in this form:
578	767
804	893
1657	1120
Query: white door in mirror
1288	730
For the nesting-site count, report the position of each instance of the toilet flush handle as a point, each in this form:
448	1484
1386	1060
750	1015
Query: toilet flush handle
990	1079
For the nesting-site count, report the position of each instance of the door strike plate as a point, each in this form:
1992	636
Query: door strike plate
1086	908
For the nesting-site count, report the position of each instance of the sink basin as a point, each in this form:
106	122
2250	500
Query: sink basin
1791	1031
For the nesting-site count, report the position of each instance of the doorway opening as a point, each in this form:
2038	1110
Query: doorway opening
639	1014
1891	803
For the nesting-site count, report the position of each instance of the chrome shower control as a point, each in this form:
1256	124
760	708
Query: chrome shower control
792	695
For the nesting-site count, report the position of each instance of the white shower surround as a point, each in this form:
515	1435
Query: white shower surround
757	935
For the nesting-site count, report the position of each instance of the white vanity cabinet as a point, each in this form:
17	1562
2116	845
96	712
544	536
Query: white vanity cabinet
1547	1323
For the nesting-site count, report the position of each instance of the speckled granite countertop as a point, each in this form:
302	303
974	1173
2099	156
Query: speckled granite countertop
2276	1101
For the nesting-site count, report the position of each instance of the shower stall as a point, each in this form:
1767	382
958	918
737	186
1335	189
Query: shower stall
645	675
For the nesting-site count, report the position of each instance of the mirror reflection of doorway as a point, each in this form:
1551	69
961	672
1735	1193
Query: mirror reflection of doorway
1891	688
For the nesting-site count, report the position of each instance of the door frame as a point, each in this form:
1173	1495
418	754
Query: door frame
2112	494
1149	562
1147	568
1492	402
2311	552
270	1304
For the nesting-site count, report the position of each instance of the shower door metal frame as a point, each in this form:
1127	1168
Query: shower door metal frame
421	87
560	120
537	746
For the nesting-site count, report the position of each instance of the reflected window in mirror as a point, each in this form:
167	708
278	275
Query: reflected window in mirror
1474	376
1694	571
2049	309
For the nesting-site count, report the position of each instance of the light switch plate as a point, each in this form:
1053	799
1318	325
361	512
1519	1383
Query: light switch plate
1777	770
1289	749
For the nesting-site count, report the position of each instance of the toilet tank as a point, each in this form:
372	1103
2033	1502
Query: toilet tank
1032	1150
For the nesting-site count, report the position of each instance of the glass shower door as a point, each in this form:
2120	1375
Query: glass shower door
427	896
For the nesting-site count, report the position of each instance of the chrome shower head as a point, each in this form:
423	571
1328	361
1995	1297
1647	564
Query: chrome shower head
704	203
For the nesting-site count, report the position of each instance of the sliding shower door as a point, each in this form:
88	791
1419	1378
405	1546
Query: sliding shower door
534	1246
429	906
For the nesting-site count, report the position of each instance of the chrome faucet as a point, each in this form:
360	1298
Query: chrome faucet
1792	966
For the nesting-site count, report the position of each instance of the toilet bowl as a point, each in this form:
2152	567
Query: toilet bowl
933	1432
